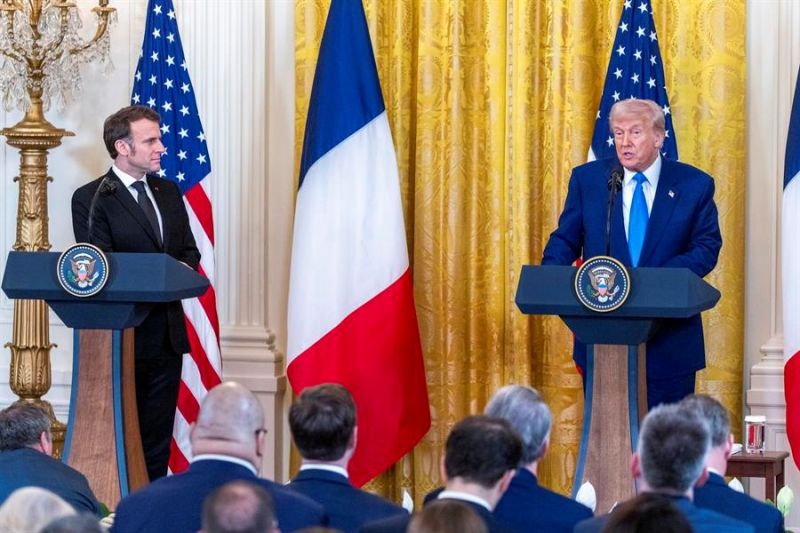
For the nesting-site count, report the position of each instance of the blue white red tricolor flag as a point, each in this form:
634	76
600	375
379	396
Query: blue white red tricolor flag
162	82
635	70
351	316
790	279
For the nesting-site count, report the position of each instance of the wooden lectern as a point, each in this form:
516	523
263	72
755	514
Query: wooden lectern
616	388
103	440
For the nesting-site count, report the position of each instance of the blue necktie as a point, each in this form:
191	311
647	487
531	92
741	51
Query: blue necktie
637	220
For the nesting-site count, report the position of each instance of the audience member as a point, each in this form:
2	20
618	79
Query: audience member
78	523
228	443
239	507
715	494
323	424
26	447
447	516
648	512
527	506
481	458
30	509
670	460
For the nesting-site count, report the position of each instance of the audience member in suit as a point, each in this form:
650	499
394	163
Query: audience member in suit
78	523
527	506
228	444
648	512
30	509
447	516
481	457
669	460
133	210
26	447
237	507
715	494
323	425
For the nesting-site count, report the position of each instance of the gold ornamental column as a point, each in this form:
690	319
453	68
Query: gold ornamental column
40	39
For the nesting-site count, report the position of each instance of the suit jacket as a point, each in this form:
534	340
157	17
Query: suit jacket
120	225
702	520
526	506
347	507
174	504
27	467
683	231
718	496
399	524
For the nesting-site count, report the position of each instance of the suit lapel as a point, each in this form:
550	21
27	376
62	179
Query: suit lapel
619	242
125	198
161	204
667	196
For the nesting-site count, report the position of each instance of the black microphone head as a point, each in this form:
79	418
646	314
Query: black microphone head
616	178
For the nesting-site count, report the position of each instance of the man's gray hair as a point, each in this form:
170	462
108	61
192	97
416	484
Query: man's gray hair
673	444
21	425
524	408
636	107
713	412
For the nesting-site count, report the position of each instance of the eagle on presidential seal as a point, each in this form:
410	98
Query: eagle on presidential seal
82	266
603	281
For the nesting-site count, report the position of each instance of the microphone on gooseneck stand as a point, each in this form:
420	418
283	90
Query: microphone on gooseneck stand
614	186
105	188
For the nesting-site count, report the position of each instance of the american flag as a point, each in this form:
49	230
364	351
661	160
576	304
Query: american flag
635	70
162	83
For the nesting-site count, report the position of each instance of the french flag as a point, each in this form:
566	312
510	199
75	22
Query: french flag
791	276
351	316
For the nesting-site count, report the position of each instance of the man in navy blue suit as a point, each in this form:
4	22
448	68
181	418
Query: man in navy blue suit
323	425
715	494
665	216
481	457
228	443
670	460
526	505
26	446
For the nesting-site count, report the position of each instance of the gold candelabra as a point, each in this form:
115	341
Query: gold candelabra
41	52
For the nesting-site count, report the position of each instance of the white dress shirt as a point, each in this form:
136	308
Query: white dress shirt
648	188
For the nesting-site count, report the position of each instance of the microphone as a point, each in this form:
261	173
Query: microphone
614	186
105	188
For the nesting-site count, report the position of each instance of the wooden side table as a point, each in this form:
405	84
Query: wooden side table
767	465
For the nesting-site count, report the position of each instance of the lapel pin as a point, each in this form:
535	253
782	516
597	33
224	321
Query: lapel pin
671	194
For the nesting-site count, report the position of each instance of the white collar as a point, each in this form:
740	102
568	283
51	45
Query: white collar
464	496
126	178
227	458
328	468
651	173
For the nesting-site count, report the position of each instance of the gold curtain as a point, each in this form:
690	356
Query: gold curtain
491	104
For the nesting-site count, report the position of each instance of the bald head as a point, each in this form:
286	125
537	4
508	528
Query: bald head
230	422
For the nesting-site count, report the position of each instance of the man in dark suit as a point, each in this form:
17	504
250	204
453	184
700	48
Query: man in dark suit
665	216
670	460
131	210
228	442
481	457
26	447
526	505
715	494
323	425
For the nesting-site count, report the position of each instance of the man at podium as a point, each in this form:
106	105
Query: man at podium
662	214
131	210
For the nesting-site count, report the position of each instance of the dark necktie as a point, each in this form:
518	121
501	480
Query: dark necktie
147	207
637	220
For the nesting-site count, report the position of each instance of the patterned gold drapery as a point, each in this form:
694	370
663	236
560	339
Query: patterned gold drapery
491	104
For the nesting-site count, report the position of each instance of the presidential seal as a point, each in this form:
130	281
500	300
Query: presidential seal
602	284
82	270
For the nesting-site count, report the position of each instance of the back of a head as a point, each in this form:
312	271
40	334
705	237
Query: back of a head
230	413
673	444
447	516
21	425
322	420
30	509
238	507
647	513
527	413
714	413
79	523
481	449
